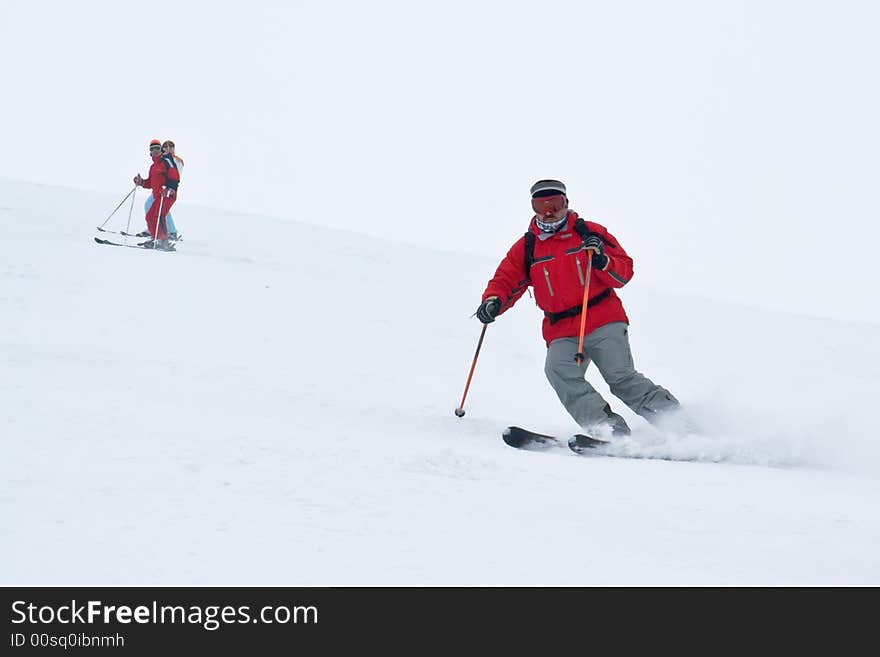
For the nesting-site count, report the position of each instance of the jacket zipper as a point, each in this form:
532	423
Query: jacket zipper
547	276
580	273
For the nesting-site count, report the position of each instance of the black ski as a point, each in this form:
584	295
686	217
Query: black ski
131	246
581	444
530	440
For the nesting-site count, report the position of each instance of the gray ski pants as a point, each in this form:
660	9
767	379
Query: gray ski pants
608	347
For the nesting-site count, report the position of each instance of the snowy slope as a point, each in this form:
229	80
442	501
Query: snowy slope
273	405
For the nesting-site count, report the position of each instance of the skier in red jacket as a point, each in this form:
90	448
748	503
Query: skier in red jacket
552	258
163	179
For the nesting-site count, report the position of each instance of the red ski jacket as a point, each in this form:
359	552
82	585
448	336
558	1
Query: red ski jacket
557	277
163	173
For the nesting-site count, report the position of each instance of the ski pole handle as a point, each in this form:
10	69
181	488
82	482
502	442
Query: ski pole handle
459	412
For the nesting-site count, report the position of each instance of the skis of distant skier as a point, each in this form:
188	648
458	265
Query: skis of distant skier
179	238
148	245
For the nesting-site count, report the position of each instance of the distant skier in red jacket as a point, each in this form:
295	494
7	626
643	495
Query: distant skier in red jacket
163	179
552	258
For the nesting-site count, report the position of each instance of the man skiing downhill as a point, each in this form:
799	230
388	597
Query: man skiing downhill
552	257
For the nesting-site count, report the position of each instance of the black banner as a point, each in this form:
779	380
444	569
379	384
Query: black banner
269	620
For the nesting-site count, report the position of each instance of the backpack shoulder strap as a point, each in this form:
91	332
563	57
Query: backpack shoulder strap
529	241
581	227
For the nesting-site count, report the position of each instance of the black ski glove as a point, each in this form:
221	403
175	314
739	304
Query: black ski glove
594	242
488	310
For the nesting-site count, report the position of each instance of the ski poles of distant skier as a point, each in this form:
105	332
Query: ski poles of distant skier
460	410
130	210
160	222
133	190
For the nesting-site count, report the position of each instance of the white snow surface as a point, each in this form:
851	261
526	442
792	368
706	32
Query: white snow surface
273	405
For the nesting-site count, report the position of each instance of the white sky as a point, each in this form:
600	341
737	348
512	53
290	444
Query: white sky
731	146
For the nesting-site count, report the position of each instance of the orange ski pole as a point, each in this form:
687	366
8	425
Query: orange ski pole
459	412
579	356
